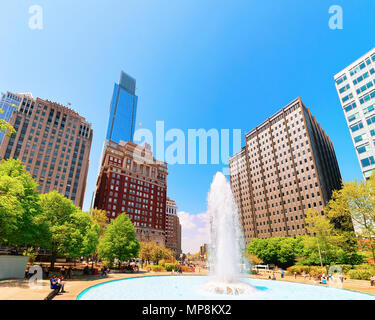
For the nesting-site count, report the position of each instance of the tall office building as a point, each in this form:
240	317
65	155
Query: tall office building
53	142
7	102
287	166
356	89
172	228
132	181
123	110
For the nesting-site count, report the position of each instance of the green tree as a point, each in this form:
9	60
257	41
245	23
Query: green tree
146	251
356	202
19	205
281	251
65	229
100	218
119	240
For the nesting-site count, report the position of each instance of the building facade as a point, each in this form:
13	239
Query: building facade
356	89
54	143
132	181
123	110
203	251
7	102
172	228
287	166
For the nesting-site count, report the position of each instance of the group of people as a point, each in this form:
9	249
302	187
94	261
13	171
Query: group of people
66	273
104	271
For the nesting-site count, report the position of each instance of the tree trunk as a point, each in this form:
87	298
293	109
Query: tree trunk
53	260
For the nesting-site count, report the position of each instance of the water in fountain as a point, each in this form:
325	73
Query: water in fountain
226	242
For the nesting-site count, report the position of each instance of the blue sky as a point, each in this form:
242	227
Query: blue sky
198	64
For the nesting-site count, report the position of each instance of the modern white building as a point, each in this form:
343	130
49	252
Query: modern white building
356	89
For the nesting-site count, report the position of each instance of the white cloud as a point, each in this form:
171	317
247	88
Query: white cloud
195	229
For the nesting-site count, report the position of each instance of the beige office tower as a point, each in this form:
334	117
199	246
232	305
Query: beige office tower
53	142
288	165
172	228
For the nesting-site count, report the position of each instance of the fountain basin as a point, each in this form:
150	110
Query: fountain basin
190	288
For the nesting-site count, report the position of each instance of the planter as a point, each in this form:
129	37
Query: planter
12	267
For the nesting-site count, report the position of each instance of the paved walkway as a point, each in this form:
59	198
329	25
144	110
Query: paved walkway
350	284
20	289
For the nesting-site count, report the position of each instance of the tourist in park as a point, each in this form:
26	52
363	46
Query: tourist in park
46	272
69	273
282	274
103	271
61	284
372	281
86	270
273	276
63	271
56	284
295	275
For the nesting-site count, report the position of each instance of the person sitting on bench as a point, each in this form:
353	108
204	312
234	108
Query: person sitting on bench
61	284
54	284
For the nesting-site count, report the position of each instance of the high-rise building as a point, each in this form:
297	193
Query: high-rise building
172	228
356	89
131	180
8	102
53	142
123	110
288	165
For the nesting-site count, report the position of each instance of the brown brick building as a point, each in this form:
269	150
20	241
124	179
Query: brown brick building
131	180
287	166
172	228
53	142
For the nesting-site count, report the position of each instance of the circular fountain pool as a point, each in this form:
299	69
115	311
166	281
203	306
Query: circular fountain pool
190	288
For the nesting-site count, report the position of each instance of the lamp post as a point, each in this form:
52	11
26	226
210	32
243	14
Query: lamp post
325	259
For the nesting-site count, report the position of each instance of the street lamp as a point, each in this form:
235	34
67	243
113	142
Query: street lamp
325	259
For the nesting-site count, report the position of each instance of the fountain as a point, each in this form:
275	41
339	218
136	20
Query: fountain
226	242
225	280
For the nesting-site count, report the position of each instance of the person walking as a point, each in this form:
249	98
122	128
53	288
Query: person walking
282	274
69	273
372	281
62	271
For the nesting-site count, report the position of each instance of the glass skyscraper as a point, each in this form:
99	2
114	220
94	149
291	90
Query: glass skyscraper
7	101
123	110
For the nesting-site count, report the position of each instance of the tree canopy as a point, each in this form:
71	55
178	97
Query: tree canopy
119	240
66	230
19	205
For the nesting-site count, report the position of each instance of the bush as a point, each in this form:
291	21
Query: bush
314	270
157	268
360	274
162	263
298	269
171	266
345	268
186	269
